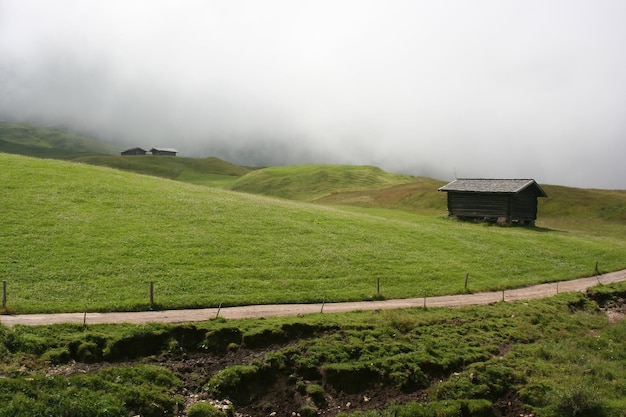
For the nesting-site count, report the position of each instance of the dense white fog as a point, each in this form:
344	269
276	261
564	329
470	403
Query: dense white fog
498	89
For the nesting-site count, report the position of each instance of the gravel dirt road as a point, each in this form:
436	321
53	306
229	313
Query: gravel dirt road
256	311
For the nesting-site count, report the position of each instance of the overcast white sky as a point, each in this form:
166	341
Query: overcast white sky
496	89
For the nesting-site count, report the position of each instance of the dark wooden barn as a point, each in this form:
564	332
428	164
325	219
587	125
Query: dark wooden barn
134	151
163	151
505	201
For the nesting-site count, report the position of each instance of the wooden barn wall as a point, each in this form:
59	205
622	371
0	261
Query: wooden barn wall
516	206
524	205
477	205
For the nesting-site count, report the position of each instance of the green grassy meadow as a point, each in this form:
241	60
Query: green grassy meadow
79	237
311	182
201	171
92	236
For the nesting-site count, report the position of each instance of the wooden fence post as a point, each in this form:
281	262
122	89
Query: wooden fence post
378	286
466	279
4	294
151	294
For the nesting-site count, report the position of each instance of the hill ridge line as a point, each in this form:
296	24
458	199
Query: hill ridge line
275	310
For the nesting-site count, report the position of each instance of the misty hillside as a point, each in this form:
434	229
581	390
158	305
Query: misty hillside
420	195
583	203
592	210
205	171
311	182
42	142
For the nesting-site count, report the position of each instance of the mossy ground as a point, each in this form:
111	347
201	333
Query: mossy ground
559	356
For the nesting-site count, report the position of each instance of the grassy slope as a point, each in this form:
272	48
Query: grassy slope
597	212
206	171
419	195
311	182
42	142
25	139
81	237
371	190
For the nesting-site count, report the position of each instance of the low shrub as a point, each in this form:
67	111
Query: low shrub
88	352
316	393
239	383
57	356
204	409
307	411
218	340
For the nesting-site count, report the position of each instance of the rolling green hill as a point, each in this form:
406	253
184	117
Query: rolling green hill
369	189
43	142
78	237
590	204
29	140
312	182
419	195
599	212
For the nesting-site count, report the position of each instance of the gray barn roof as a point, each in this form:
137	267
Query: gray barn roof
164	150
482	185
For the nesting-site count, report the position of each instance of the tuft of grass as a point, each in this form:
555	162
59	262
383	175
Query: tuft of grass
316	393
204	409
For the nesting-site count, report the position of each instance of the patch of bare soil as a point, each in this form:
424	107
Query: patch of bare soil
281	397
615	310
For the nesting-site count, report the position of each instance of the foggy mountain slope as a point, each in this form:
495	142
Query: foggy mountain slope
589	204
177	168
311	182
31	140
418	196
360	186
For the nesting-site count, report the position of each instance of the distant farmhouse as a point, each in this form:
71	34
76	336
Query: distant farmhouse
153	151
134	151
505	201
163	151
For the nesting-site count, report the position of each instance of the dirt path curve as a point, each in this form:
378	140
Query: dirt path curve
255	311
